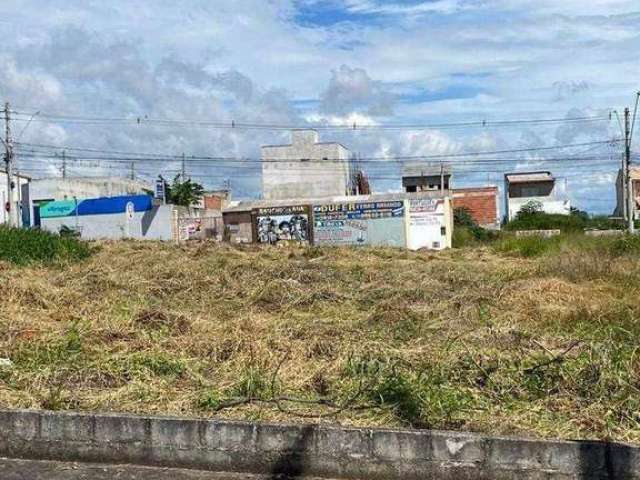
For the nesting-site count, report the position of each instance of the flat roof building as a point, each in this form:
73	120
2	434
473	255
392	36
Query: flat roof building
425	177
42	191
621	193
526	187
305	168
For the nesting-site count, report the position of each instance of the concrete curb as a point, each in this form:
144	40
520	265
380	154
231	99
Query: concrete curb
307	450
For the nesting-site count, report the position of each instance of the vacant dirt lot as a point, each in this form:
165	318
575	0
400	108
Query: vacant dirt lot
467	339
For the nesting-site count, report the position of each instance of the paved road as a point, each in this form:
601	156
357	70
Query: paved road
44	470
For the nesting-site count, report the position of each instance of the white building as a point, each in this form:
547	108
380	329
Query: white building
20	189
622	204
45	190
540	187
306	168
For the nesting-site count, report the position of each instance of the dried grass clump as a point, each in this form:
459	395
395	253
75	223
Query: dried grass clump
465	339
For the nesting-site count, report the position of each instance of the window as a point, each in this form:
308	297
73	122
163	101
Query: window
304	159
412	189
532	191
436	245
443	231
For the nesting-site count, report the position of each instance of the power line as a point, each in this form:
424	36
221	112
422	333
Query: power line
232	124
564	162
164	157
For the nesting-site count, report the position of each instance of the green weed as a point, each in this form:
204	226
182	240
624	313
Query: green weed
23	247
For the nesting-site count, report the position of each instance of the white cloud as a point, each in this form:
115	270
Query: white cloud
352	119
351	89
250	60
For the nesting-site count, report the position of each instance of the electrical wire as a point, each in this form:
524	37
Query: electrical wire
232	124
191	158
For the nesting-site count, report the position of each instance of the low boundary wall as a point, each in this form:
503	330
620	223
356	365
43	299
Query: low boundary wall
307	450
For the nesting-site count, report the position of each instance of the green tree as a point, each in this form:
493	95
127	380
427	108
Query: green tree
532	207
184	192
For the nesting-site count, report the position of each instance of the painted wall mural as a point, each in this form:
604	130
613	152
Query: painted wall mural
282	224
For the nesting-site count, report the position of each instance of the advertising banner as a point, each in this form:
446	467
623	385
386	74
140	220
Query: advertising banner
427	224
282	224
373	223
62	208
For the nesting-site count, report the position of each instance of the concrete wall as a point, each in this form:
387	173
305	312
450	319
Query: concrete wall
313	177
360	223
156	224
238	226
549	205
429	224
81	188
306	450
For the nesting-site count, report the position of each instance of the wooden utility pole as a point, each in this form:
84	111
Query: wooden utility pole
628	177
184	168
8	158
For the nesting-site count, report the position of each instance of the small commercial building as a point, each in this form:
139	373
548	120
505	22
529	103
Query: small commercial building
527	187
20	191
306	168
481	202
621	193
111	218
414	221
46	190
128	216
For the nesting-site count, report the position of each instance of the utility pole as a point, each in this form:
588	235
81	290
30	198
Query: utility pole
184	169
627	163
8	158
132	173
64	164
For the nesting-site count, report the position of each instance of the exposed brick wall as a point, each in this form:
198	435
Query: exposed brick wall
481	203
213	202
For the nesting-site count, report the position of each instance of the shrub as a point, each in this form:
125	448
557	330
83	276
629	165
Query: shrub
467	232
528	246
625	245
22	247
577	221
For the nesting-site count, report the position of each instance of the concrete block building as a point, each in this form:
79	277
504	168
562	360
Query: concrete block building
526	187
421	177
306	168
481	202
43	191
20	184
621	194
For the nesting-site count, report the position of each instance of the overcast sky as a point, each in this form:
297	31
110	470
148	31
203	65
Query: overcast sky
329	62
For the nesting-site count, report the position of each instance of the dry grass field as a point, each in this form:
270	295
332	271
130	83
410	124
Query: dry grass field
491	339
